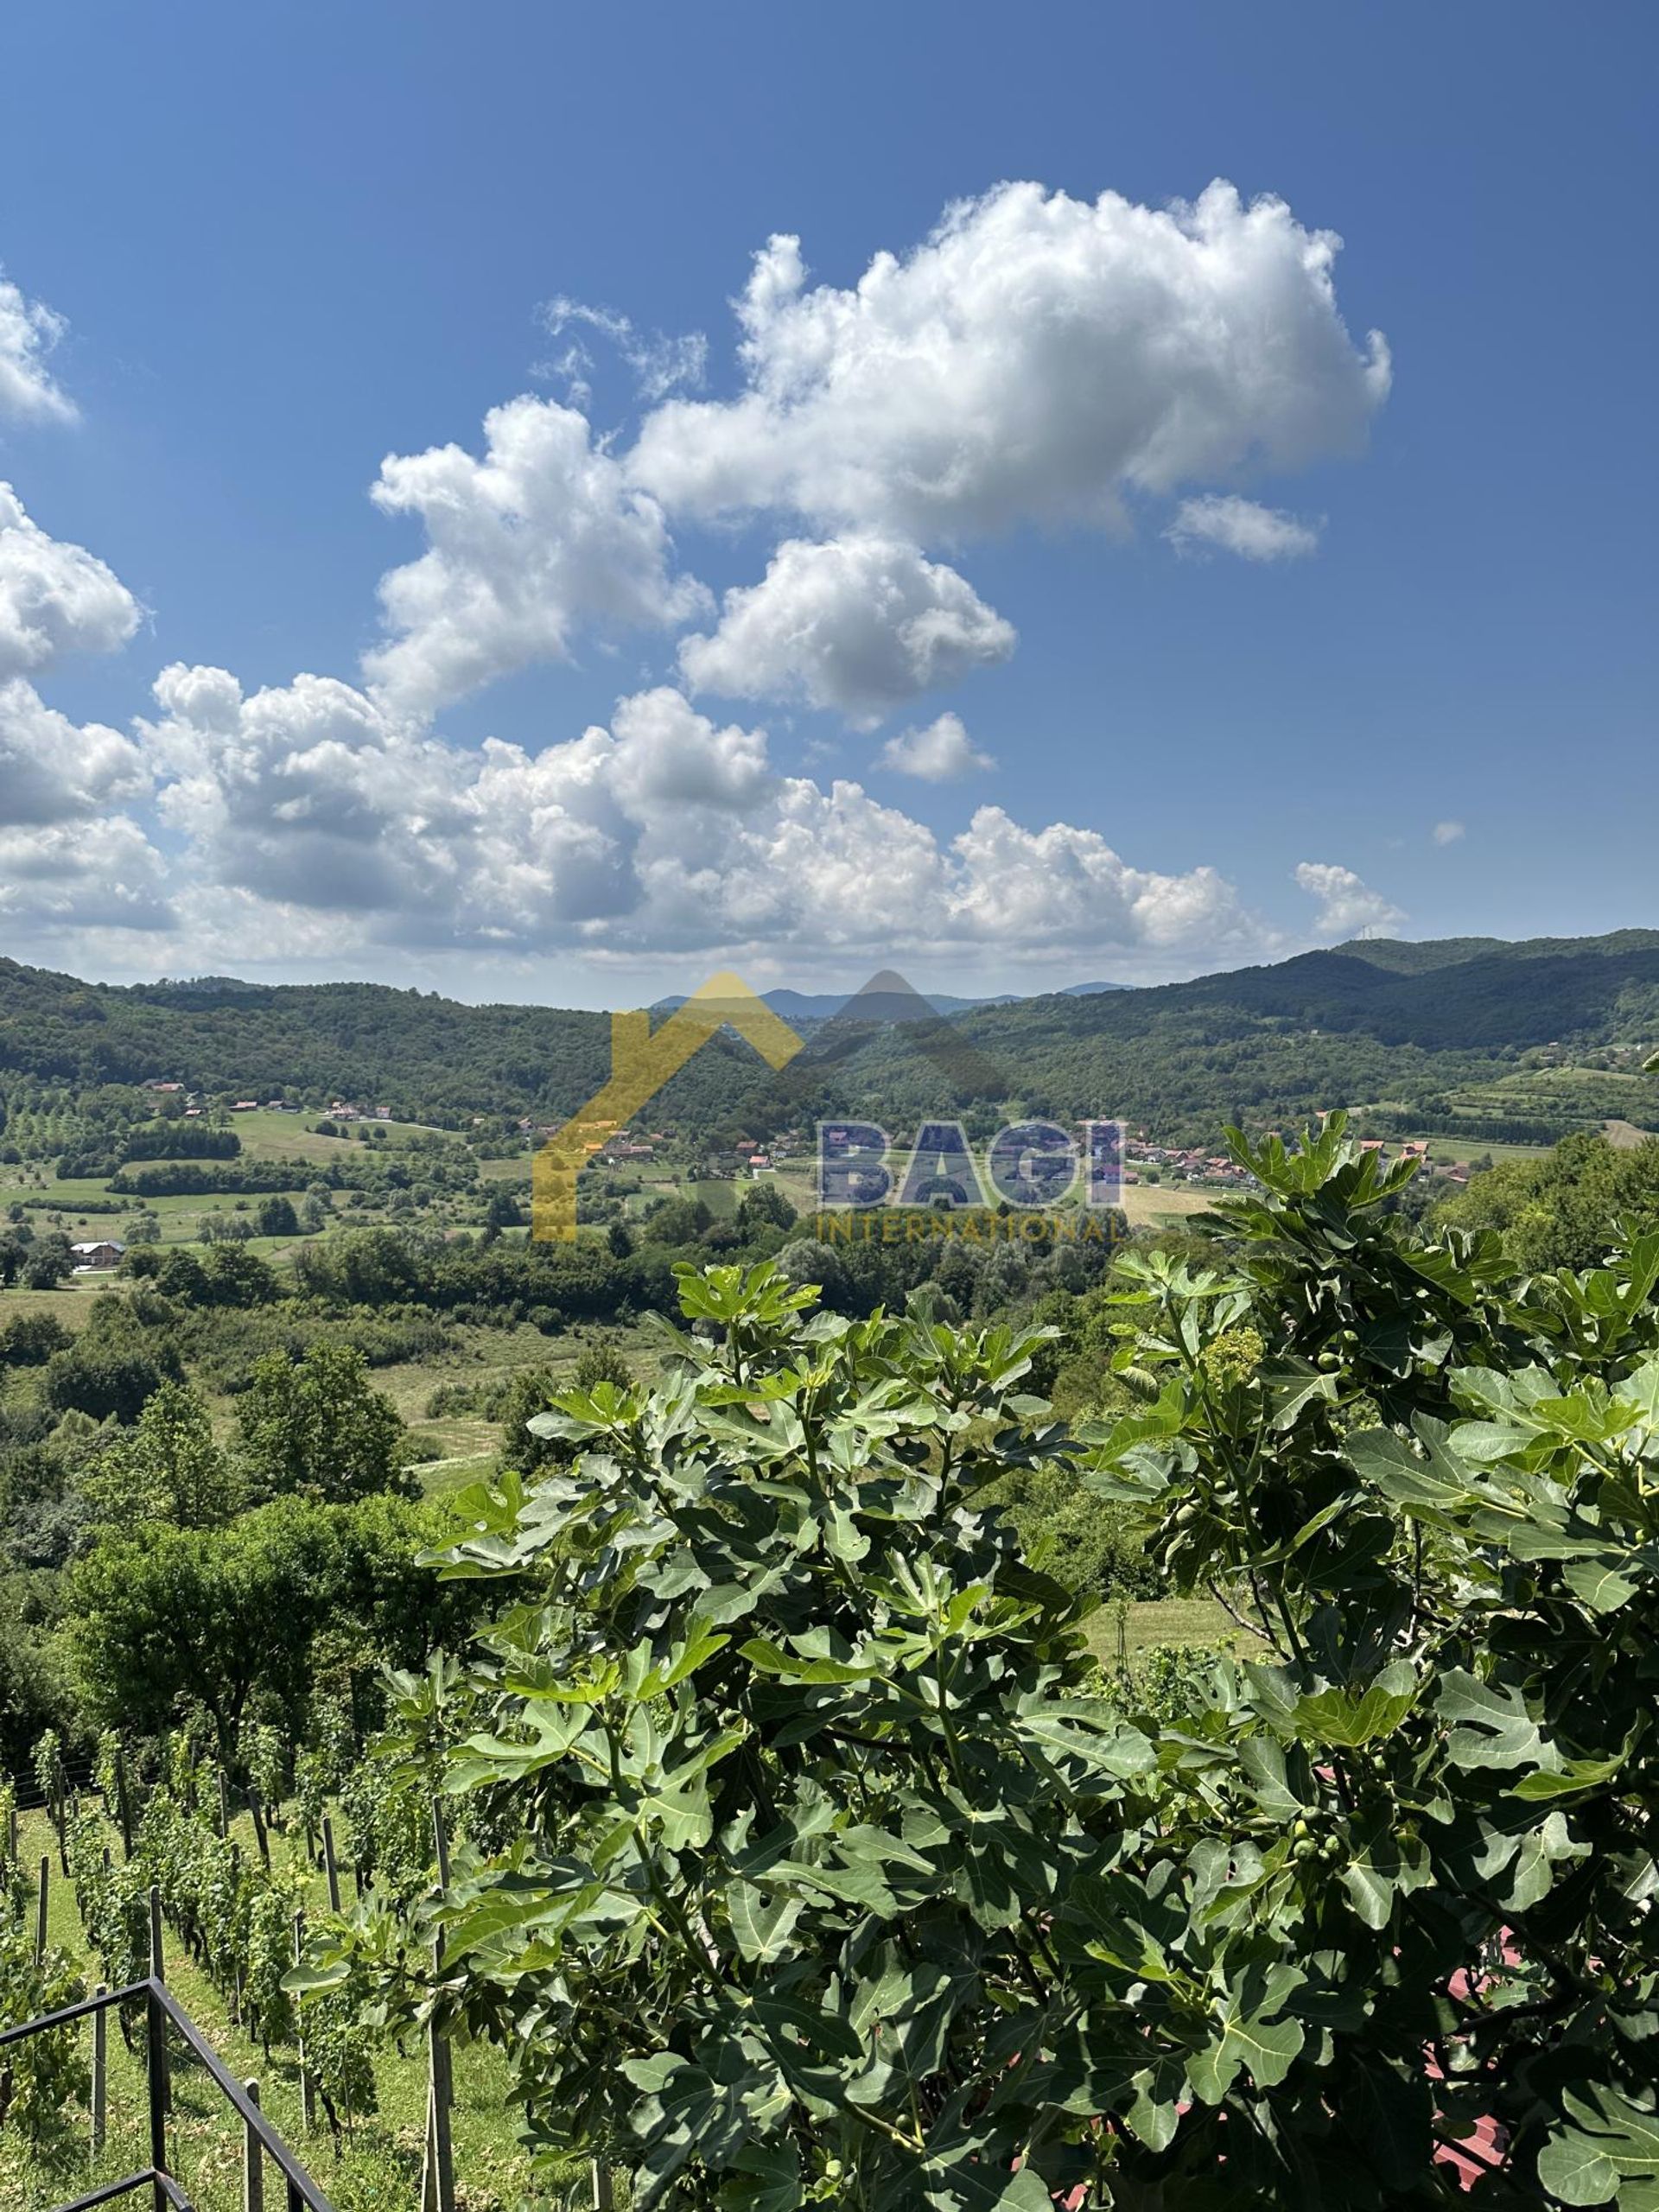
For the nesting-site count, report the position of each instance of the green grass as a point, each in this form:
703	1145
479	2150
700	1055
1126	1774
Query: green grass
72	1303
1169	1620
294	1136
1442	1149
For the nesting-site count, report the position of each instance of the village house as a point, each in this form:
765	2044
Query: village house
102	1252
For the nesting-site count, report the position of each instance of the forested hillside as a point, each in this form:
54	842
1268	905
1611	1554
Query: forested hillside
1370	1024
429	1058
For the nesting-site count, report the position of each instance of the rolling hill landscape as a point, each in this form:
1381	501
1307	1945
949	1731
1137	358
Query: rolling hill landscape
1516	1042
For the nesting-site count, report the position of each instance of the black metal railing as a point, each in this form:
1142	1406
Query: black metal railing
261	2141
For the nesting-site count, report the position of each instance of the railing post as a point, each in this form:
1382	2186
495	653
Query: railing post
40	1902
253	2159
307	2087
100	2073
155	2023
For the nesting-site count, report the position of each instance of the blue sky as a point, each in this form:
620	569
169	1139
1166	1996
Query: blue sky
285	244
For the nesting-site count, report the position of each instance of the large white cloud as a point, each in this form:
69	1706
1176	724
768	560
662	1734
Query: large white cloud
1347	903
860	623
28	331
1038	359
664	832
540	538
54	598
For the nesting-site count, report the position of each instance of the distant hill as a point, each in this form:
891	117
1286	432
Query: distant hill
1366	1023
825	1006
1406	958
1435	1033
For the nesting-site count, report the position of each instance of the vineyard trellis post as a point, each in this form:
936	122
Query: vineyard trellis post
307	2086
58	1819
124	1799
438	2171
42	1897
238	1985
260	1834
100	2073
330	1863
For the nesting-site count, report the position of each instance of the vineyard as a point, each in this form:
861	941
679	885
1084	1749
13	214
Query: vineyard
246	1880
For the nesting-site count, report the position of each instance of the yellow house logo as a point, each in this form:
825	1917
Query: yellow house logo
642	1060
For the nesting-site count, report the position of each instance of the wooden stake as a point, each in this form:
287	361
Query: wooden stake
307	2087
438	2181
237	1984
100	2073
438	2176
260	1836
124	1799
331	1865
58	1818
41	1902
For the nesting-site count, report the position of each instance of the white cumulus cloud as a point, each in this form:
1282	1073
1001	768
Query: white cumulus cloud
1449	833
860	623
1226	522
1038	357
541	537
28	331
1347	903
662	832
938	754
54	598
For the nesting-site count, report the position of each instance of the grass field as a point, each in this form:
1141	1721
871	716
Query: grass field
1169	1620
51	1203
293	1137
